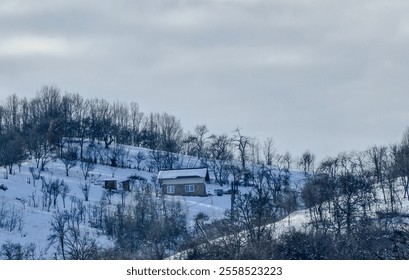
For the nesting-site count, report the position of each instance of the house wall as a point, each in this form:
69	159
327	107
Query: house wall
200	189
184	181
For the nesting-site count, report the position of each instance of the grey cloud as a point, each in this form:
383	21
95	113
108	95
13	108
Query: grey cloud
307	73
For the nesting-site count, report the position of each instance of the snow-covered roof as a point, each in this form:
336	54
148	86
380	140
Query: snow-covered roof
183	173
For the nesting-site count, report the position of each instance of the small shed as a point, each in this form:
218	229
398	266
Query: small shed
110	184
115	184
126	185
188	182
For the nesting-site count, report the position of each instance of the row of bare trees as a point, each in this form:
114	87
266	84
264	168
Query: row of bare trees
49	123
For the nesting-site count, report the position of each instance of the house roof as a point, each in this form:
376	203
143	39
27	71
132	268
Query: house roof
115	179
184	173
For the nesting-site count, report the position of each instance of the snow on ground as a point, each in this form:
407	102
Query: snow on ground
214	206
23	198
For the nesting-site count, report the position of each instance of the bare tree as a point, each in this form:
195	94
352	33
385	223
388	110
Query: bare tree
287	160
86	167
120	123
307	162
38	145
11	114
269	151
199	140
377	161
150	134
71	242
402	162
288	201
200	220
392	173
255	152
80	244
171	133
220	155
59	230
85	189
117	155
51	189
80	120
242	143
139	157
69	157
64	191
235	172
136	120
11	150
157	161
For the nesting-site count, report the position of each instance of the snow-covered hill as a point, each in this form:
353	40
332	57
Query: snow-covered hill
25	220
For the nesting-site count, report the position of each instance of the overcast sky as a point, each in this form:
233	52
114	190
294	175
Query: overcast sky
328	76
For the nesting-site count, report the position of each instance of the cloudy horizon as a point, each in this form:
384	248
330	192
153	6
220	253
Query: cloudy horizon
320	75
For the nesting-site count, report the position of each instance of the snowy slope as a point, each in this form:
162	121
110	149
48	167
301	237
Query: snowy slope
24	199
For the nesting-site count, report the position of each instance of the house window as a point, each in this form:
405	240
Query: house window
170	189
189	188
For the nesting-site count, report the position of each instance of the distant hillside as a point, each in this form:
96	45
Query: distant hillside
59	150
34	200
